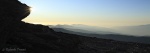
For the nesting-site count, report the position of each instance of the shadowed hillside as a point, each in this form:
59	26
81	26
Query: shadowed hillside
20	37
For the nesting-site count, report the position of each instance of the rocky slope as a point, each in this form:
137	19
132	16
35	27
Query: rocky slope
41	39
20	37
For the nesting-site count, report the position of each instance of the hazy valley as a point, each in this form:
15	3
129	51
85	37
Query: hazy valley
121	33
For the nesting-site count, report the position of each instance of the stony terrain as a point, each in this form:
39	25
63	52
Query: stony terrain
20	37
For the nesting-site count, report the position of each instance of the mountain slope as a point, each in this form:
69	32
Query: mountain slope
49	41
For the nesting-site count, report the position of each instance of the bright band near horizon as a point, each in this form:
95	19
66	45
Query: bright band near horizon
106	13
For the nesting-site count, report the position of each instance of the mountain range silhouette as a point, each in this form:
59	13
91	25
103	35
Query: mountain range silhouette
17	36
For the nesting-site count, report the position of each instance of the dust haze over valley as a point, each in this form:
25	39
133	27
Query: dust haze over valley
126	33
139	30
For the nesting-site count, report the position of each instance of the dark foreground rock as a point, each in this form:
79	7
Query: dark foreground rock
20	37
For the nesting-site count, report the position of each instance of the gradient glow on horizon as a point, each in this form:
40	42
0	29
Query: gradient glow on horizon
106	13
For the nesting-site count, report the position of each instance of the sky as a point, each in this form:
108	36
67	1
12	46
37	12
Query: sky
104	13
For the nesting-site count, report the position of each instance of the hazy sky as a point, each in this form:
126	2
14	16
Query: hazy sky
106	13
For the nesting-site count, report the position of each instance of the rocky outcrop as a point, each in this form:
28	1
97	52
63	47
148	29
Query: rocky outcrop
20	37
11	13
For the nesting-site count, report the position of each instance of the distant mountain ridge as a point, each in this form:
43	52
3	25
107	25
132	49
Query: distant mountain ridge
141	30
115	36
118	37
85	29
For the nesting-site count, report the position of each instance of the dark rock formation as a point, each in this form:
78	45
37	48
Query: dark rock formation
11	13
20	37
